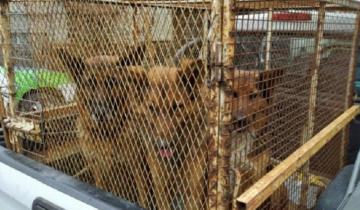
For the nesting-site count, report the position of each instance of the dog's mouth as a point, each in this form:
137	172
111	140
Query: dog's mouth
166	153
164	149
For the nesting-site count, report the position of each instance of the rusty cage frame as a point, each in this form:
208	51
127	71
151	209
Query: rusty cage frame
269	102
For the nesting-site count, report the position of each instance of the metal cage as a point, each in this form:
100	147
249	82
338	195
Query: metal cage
180	104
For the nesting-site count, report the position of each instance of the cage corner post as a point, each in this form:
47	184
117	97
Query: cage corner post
308	131
9	68
222	53
350	82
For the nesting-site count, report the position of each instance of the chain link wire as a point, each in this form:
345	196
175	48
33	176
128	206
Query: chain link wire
117	93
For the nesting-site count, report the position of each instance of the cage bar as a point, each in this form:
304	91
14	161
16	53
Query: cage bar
6	52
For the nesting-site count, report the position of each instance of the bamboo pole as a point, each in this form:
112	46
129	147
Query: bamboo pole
267	185
6	50
350	82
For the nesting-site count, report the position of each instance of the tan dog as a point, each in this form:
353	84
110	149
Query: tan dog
248	104
175	129
168	143
251	99
173	132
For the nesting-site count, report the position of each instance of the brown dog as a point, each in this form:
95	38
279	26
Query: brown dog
173	133
175	129
251	100
247	102
106	89
168	143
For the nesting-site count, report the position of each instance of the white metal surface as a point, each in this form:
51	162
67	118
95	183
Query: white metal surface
23	190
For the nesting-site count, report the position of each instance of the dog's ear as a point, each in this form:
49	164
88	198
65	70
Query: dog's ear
132	56
191	75
75	65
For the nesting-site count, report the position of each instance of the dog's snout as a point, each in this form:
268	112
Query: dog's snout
164	148
241	120
162	144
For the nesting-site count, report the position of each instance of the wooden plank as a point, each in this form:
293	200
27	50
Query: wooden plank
265	187
53	112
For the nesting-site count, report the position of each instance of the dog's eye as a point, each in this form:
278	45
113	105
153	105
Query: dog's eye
154	110
111	83
92	83
175	106
252	96
235	94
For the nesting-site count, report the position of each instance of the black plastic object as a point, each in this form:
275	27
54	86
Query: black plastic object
43	204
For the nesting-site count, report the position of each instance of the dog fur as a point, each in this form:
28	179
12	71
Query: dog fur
172	105
167	144
174	117
106	90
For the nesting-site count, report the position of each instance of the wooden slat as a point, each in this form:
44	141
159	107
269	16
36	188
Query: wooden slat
54	112
263	188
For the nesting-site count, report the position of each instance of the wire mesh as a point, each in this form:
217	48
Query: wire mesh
302	189
288	82
118	94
